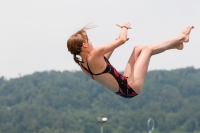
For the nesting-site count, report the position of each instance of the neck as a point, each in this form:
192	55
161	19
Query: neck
83	55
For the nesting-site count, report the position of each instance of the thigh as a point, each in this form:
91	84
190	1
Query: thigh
130	64
137	76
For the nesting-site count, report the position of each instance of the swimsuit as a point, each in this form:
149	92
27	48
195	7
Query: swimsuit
124	89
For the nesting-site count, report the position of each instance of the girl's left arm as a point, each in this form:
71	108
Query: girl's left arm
108	54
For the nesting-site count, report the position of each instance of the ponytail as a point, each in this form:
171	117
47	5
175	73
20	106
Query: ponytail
77	60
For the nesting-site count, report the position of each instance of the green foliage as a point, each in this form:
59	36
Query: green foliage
70	102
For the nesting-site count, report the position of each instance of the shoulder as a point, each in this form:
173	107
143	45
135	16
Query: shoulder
95	58
95	54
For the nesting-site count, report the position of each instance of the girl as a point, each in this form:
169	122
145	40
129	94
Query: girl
94	61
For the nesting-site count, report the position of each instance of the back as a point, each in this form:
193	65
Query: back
100	70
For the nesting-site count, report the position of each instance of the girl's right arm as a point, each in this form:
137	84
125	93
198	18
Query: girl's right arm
102	50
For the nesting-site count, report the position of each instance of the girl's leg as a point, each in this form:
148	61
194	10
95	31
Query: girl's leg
137	65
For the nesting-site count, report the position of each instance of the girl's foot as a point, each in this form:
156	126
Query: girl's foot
185	33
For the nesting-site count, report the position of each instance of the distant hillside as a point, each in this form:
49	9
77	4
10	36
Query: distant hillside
70	102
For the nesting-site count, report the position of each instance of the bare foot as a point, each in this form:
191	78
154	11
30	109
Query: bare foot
178	46
186	32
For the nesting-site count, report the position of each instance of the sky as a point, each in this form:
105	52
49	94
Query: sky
33	33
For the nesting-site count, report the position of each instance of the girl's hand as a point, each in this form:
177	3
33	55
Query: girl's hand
126	25
126	39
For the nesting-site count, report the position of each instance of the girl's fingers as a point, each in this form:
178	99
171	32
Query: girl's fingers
128	25
118	25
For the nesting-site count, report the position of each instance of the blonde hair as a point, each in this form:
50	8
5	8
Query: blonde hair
75	42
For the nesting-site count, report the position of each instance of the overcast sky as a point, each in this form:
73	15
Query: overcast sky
33	33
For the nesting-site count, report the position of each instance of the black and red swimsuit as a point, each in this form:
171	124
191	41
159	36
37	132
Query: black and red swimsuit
124	89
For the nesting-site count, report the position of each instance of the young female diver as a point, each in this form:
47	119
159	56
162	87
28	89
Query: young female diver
94	61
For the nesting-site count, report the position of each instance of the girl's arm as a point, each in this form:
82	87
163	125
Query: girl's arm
108	54
109	48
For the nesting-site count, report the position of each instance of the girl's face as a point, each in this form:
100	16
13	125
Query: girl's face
90	43
87	45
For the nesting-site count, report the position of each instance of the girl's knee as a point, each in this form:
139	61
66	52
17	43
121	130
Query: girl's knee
147	49
138	48
142	47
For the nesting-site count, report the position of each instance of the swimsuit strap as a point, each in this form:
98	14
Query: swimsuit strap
89	70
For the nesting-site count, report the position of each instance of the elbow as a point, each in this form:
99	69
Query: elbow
122	40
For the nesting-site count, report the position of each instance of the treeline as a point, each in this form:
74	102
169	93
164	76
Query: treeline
70	102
